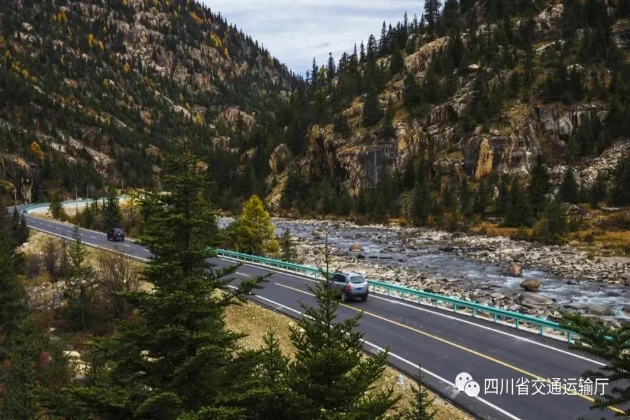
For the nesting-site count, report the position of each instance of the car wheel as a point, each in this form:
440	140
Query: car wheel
344	297
363	298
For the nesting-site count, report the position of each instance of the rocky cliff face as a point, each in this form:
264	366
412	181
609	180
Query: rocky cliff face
525	125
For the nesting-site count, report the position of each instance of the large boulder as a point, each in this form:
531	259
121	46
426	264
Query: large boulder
514	270
318	233
533	300
356	247
531	285
599	310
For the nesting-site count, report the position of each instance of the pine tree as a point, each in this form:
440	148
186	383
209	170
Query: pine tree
483	197
13	300
466	200
599	191
552	225
177	360
80	288
431	15
421	406
518	212
620	195
112	215
422	203
569	189
277	399
388	130
372	112
329	371
55	207
397	61
503	199
610	344
538	186
287	246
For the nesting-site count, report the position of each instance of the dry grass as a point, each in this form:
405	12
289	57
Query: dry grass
256	321
493	229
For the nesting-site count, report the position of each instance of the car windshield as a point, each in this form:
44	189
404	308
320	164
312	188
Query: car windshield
357	279
117	230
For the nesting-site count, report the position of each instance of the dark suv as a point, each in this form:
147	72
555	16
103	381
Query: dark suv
350	286
116	234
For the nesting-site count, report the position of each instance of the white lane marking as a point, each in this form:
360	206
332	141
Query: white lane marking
93	237
485	327
126	245
413	365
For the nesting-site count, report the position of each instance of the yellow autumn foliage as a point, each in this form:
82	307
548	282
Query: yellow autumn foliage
37	151
126	68
91	40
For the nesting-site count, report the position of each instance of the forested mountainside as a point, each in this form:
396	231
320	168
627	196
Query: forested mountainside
91	91
426	119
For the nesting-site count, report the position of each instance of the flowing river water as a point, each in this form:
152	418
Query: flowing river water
430	258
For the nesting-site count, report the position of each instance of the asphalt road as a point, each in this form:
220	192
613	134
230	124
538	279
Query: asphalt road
513	368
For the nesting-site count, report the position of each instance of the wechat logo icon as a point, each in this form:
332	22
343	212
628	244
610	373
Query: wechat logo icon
464	382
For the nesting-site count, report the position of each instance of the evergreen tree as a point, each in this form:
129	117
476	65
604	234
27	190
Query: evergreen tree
483	197
421	404
112	215
431	15
422	203
13	300
466	200
538	186
397	61
177	360
518	212
287	246
552	225
388	130
569	189
329	371
17	376
55	207
599	191
372	112
80	288
610	344
277	400
620	195
503	199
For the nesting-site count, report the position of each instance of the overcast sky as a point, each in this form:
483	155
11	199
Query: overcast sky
295	31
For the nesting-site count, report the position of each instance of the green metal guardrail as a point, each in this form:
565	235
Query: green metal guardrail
419	296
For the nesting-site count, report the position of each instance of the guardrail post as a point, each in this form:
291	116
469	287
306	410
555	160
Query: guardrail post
474	313
542	329
569	336
454	307
516	322
494	316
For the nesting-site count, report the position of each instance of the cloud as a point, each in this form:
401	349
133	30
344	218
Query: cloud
295	31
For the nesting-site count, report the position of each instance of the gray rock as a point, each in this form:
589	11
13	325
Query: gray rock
356	247
531	285
514	270
318	233
573	282
626	310
533	300
599	310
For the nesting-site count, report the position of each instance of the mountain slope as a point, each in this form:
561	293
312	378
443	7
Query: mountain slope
473	91
92	90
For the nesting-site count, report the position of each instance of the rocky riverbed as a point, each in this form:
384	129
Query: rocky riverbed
515	275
